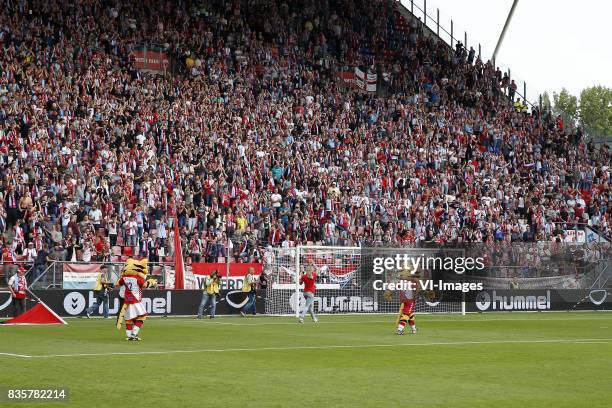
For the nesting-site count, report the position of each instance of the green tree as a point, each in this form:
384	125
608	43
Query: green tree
566	105
546	105
596	110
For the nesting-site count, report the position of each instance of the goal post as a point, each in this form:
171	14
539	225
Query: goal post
346	283
297	281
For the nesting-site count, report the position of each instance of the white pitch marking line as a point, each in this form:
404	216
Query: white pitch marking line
459	319
258	322
458	343
15	355
424	318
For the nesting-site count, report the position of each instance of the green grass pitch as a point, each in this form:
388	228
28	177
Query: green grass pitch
487	360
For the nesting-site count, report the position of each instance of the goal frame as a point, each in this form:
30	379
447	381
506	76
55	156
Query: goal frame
298	252
293	263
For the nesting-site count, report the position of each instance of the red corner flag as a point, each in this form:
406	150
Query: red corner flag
39	314
179	265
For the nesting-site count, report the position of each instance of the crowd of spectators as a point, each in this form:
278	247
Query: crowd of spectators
537	260
254	137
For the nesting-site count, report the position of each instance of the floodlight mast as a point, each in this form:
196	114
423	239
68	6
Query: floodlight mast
503	33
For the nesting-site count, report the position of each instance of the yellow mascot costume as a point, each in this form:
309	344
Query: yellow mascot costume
407	297
133	280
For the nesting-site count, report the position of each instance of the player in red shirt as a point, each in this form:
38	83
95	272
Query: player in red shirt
309	280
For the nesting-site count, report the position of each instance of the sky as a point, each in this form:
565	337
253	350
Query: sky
550	44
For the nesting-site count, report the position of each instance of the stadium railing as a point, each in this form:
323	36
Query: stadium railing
452	34
8	269
52	275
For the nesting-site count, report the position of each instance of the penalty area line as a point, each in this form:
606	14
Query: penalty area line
328	347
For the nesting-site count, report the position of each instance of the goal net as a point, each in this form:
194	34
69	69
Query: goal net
346	283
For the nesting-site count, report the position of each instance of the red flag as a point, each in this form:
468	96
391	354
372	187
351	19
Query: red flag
179	265
39	314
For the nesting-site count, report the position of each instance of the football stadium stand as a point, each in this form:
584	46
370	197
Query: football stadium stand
270	123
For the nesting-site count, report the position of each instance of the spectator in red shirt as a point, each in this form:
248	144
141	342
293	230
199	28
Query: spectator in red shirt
8	262
309	280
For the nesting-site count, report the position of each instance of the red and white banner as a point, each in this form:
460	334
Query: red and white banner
575	236
197	271
81	276
189	279
151	60
347	77
235	270
233	281
365	81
